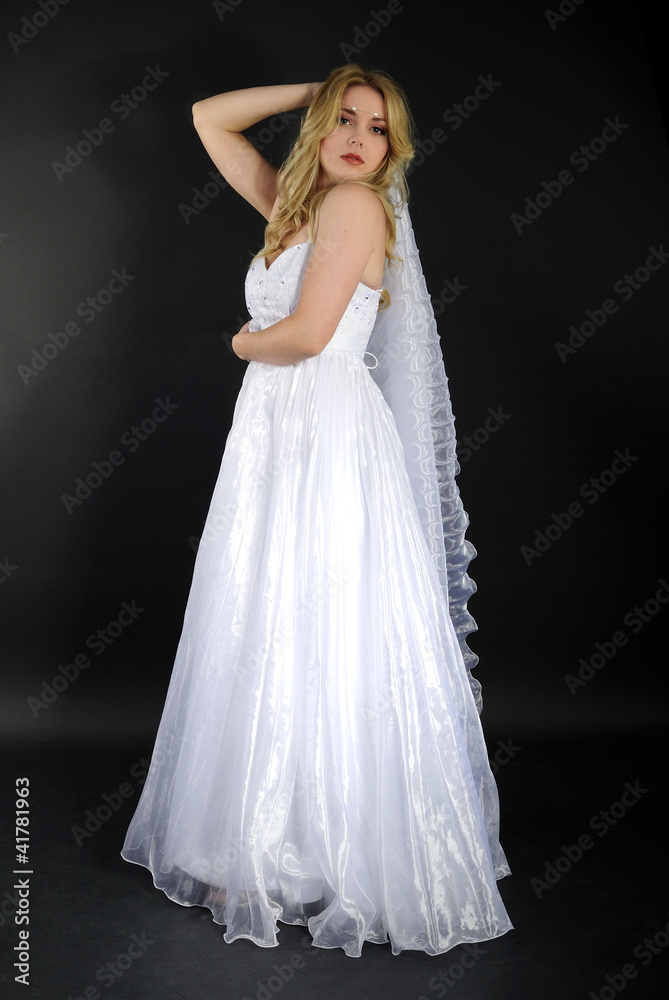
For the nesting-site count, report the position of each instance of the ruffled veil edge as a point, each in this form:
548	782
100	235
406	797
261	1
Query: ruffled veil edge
411	375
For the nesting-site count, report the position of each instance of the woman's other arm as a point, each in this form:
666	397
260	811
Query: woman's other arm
219	122
351	230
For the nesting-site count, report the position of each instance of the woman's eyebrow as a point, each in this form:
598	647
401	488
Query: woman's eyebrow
378	118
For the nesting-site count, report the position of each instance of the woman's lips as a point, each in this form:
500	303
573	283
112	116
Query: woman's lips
352	158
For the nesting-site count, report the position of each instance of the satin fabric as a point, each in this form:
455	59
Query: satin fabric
320	757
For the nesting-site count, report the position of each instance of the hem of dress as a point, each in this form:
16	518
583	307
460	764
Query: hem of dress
300	923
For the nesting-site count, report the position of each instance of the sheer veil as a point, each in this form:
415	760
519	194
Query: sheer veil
412	378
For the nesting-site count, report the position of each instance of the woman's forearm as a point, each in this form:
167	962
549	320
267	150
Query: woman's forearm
283	343
237	110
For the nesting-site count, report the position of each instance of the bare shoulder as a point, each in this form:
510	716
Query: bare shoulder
351	235
350	202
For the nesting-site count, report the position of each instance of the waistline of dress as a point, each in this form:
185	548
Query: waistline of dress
351	345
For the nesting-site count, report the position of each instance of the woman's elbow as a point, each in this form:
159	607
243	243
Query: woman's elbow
199	112
308	337
196	111
315	342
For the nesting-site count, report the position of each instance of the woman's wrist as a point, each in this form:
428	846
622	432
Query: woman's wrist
237	345
237	110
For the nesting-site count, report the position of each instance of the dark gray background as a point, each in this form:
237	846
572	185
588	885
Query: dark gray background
166	335
562	757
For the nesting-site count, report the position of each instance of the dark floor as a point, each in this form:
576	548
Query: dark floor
588	927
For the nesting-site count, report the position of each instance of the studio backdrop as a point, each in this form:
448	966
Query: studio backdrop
539	202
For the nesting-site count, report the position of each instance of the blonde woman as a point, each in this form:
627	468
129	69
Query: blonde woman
320	758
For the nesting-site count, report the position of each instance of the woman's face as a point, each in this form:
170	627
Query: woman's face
359	143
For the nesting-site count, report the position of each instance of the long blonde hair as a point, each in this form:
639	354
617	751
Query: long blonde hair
300	197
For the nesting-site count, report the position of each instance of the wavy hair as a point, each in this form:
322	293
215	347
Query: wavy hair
297	181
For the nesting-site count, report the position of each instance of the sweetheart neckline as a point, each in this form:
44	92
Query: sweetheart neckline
305	243
293	246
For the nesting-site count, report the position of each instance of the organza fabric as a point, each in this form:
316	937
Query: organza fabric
320	757
413	380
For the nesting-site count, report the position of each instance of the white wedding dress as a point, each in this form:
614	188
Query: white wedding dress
320	757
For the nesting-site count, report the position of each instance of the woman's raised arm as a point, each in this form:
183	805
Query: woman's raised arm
219	122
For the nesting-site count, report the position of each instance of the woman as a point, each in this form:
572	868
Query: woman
320	757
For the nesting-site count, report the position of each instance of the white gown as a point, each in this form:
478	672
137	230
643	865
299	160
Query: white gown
320	757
